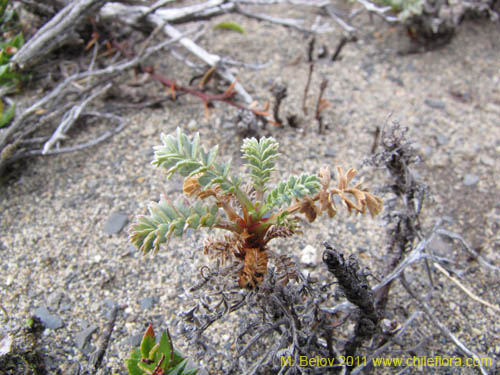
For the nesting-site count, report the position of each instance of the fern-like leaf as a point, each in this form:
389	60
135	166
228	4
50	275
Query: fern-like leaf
295	187
166	219
260	156
179	154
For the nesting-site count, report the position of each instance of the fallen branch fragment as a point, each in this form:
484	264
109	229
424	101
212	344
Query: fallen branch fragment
379	11
467	291
25	123
287	22
70	118
103	342
467	248
444	330
321	105
133	15
227	97
306	88
59	31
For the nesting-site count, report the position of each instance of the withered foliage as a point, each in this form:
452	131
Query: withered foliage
396	156
251	249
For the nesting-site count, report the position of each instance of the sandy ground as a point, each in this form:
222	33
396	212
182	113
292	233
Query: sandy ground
55	254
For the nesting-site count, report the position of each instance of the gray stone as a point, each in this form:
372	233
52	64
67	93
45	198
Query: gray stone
135	340
82	338
110	304
48	320
329	153
440	246
115	223
54	299
147	303
441	140
148	151
92	184
436	104
470	179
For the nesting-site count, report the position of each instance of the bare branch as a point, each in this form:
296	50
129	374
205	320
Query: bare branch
379	11
132	15
81	146
444	330
466	247
55	33
70	118
288	22
467	291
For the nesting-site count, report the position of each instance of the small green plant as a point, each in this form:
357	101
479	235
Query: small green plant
405	9
9	44
252	213
153	358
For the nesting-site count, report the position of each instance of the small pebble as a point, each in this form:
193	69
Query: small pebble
92	184
329	153
48	320
115	223
441	247
147	303
470	179
135	340
54	299
436	104
441	140
83	337
309	255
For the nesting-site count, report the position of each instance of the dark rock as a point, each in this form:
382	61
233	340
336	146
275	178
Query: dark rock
147	303
329	153
82	338
436	104
115	223
48	320
470	179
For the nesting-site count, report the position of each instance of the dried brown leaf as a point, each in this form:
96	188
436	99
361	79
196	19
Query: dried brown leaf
254	269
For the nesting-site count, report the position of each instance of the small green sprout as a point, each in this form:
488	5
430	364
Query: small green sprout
252	212
230	26
153	358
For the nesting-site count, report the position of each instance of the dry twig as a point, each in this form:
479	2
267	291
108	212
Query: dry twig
467	291
444	330
55	33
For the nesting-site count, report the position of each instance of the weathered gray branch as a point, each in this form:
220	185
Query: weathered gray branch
59	31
